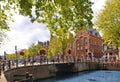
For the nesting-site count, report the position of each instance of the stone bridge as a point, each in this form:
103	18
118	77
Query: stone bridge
48	70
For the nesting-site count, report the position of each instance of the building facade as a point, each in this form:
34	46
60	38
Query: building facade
110	53
88	45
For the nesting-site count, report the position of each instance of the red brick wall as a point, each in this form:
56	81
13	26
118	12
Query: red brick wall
87	43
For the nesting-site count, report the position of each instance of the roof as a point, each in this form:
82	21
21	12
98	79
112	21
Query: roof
93	32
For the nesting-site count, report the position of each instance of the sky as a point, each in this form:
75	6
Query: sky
23	33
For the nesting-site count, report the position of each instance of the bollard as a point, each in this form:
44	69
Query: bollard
27	75
31	77
24	62
16	81
47	60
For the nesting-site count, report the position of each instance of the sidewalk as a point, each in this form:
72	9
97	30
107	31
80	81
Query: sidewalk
3	79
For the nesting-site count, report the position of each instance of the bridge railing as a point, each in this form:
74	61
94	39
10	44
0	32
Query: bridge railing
10	64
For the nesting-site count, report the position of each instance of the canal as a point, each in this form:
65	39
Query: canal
94	76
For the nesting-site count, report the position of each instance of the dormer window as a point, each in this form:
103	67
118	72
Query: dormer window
90	32
96	34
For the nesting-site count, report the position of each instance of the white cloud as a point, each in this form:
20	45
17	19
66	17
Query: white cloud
98	5
23	33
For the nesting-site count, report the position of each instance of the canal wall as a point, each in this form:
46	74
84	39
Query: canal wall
78	67
37	71
110	66
48	70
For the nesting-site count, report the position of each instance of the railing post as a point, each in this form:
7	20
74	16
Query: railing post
31	77
24	62
58	59
47	60
16	56
27	75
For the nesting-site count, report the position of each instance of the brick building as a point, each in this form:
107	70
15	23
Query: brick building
87	45
110	53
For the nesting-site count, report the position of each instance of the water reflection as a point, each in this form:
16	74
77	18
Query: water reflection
91	79
95	76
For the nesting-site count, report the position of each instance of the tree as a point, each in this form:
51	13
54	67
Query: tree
65	15
60	42
42	51
10	56
32	50
70	14
4	15
2	36
66	38
54	47
26	53
4	18
108	22
38	47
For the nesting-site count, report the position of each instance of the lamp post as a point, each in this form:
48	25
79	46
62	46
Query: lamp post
16	56
69	52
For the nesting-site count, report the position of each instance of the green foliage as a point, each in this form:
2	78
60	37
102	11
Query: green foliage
108	21
5	16
70	14
31	51
26	7
11	56
26	54
42	51
2	36
34	49
60	42
38	47
61	17
54	47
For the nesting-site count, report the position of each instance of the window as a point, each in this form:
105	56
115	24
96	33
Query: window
81	48
90	32
86	47
81	41
96	34
85	40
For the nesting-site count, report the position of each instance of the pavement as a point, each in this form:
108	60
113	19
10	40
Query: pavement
3	79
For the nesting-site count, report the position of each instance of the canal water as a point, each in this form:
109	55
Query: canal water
94	76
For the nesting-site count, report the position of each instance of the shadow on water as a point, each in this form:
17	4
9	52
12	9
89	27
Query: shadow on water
63	76
86	76
70	75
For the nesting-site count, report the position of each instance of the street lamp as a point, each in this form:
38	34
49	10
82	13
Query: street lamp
69	52
16	56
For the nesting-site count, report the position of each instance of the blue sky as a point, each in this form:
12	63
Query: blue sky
23	33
